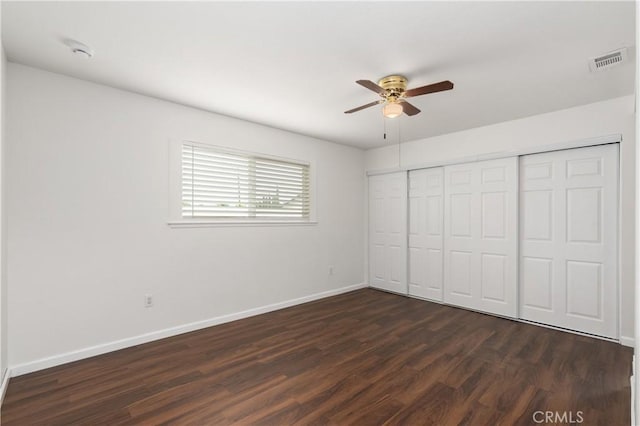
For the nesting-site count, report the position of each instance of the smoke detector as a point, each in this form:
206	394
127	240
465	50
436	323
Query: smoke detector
608	60
79	49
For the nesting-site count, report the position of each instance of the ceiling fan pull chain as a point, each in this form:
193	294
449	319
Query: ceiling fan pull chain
399	143
384	123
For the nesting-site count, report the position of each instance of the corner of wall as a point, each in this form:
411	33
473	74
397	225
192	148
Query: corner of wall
4	372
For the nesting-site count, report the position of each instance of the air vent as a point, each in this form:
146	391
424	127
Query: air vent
609	60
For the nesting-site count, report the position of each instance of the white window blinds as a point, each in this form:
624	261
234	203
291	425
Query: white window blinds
225	184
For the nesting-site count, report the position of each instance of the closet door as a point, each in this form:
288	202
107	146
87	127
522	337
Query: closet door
568	231
388	232
425	233
480	244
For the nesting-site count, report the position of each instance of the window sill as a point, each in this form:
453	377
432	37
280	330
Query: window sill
223	223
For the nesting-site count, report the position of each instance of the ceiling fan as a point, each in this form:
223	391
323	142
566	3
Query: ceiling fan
393	92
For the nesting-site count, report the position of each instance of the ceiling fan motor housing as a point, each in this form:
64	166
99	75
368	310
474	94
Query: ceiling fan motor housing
394	85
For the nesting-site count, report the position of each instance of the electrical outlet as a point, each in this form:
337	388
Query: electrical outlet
331	270
148	300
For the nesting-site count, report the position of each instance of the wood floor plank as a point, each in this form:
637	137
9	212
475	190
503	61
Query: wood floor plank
362	358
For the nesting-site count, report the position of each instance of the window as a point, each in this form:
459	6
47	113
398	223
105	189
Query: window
223	184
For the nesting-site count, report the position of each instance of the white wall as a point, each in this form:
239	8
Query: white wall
615	116
87	206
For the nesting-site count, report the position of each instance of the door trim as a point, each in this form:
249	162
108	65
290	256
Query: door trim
559	146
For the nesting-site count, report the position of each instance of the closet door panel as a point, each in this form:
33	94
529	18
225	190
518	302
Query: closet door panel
568	247
480	229
388	231
425	233
377	232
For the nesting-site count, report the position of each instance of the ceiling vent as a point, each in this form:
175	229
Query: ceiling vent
609	60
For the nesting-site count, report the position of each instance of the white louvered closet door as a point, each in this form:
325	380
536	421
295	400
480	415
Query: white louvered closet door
568	231
480	236
388	232
425	233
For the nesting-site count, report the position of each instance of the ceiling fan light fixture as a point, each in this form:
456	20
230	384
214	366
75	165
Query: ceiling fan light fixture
392	110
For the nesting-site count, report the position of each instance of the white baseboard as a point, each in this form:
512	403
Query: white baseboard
64	358
627	341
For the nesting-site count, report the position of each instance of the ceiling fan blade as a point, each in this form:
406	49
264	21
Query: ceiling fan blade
408	108
364	106
431	88
371	86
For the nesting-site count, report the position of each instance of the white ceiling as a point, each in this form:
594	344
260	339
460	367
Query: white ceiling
294	65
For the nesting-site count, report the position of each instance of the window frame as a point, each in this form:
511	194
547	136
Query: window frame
175	191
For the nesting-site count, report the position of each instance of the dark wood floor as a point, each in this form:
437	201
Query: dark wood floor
365	357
